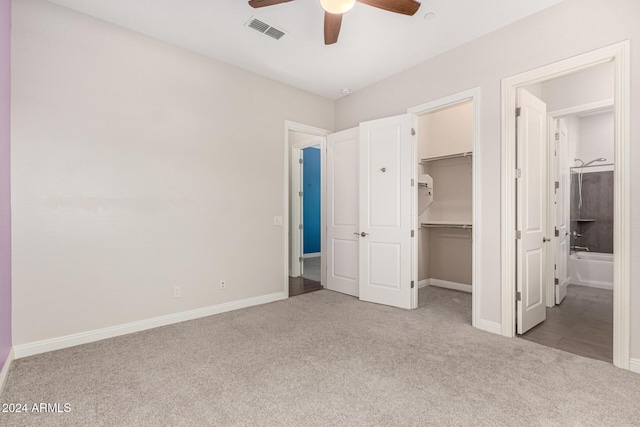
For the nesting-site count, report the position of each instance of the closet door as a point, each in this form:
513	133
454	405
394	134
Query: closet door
385	211
342	212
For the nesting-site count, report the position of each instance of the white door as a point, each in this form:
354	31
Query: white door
342	212
385	211
562	212
531	215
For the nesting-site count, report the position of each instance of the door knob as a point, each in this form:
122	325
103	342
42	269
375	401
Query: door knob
545	240
363	234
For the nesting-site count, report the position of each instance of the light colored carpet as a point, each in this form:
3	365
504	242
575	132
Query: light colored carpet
324	359
311	268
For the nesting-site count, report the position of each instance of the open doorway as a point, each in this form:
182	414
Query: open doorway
446	205
580	142
565	192
305	153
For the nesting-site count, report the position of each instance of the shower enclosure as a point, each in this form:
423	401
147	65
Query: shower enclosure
591	225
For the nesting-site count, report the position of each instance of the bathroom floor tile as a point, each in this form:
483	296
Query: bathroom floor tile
582	324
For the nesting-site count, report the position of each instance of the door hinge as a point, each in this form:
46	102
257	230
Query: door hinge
555	266
300	227
518	296
518	173
557	184
557	232
413	284
413	182
300	161
300	193
300	259
518	111
413	233
413	132
557	136
556	281
518	234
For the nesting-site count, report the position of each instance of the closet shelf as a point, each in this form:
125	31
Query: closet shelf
449	156
584	220
446	224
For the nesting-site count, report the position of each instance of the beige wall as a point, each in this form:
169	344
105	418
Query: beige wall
591	85
137	167
570	28
446	254
446	131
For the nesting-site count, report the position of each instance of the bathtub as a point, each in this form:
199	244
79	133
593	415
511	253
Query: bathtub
591	269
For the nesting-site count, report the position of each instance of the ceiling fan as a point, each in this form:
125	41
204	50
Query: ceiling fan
335	8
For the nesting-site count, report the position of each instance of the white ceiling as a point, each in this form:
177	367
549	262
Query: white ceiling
373	44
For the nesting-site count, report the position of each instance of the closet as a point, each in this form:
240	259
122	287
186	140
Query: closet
445	194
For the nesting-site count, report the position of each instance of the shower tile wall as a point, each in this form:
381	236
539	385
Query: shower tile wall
597	204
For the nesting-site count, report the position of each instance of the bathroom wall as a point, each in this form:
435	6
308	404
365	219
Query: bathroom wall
596	133
597	205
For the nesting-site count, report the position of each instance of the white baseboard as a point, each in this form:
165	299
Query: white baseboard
597	285
312	255
24	350
486	325
445	284
4	373
634	366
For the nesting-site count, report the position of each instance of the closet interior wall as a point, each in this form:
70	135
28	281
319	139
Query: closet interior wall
444	252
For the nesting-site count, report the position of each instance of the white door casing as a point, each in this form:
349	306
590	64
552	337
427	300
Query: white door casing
531	211
342	212
562	198
385	196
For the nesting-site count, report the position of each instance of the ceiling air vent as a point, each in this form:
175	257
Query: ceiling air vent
265	29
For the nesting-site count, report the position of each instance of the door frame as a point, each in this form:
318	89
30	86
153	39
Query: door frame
297	214
311	130
552	116
438	104
619	54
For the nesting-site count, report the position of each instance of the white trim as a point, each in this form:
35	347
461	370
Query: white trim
473	95
634	365
488	326
299	127
618	53
591	107
424	283
37	347
312	255
450	285
4	373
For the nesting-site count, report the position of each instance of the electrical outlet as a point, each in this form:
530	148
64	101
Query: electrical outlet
177	293
223	284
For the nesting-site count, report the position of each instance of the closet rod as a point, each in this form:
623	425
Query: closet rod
461	226
449	156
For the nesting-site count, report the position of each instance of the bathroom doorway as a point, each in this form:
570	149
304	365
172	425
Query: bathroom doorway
305	147
579	298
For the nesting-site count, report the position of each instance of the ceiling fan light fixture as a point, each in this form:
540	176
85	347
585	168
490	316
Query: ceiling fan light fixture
337	6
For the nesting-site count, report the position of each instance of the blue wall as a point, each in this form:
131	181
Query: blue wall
311	200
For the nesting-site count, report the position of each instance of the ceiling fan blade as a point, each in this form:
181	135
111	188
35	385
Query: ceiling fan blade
405	7
263	3
332	23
